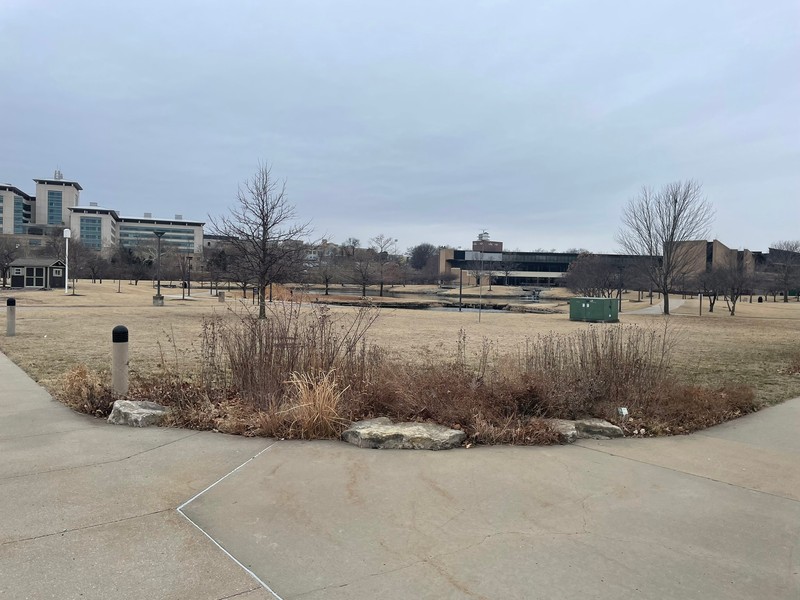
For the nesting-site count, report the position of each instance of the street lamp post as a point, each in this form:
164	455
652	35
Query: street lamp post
67	235
159	234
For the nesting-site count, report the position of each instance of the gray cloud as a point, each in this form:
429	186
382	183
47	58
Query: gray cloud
426	121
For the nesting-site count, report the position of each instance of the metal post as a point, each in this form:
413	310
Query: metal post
158	267
460	286
480	288
11	317
159	299
119	360
67	234
189	283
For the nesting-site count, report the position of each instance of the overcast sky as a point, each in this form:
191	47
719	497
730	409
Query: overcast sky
427	121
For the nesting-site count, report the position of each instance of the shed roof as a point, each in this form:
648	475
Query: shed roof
37	262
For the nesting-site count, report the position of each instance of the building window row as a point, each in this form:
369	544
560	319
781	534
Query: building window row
20	216
91	232
54	207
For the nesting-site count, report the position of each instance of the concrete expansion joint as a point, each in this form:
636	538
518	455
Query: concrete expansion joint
4	438
690	474
85	527
261	583
99	463
242	593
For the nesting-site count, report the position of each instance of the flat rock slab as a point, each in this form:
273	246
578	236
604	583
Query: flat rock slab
137	413
382	433
583	429
597	429
566	430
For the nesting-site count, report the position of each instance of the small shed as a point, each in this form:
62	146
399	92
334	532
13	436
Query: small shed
594	310
37	273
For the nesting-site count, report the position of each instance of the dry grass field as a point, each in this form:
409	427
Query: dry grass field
55	332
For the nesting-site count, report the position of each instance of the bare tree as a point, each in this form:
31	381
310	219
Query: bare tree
655	223
238	271
420	255
96	264
363	266
734	282
350	246
9	249
507	268
784	263
708	283
54	245
326	271
384	246
216	262
592	275
264	231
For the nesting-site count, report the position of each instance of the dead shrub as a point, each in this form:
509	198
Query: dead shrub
260	355
581	373
86	391
521	432
794	364
303	373
683	409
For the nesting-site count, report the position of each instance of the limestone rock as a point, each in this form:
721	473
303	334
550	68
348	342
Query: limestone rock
137	413
382	433
566	430
597	429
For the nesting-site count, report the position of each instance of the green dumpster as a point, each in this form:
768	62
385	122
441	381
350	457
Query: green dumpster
594	310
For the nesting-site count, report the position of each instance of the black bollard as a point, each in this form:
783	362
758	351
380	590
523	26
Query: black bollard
119	360
11	317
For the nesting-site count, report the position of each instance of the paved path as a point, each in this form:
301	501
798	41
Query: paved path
89	511
657	309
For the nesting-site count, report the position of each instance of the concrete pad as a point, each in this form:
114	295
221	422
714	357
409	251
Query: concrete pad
716	459
156	479
87	509
80	447
323	520
759	452
152	556
773	428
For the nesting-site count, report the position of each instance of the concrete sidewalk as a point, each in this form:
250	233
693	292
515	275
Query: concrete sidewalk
657	309
708	516
87	510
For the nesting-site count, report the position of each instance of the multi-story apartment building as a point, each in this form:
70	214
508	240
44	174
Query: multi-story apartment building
56	206
16	209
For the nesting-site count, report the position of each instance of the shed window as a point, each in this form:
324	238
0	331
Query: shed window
56	272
